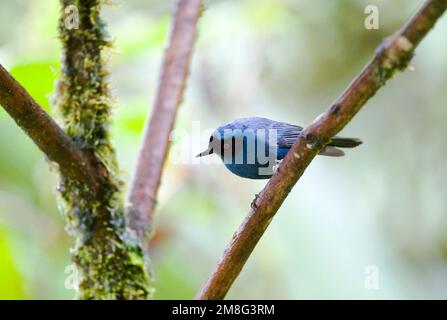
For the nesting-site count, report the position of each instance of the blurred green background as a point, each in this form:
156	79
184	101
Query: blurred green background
380	208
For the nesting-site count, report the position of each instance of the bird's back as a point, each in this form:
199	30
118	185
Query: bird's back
255	123
265	136
270	141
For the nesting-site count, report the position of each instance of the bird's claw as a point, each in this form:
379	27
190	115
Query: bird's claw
276	166
253	204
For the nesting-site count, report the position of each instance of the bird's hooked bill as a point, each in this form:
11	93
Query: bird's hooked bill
205	153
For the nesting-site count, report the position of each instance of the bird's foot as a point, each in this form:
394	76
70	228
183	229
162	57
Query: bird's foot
276	166
253	204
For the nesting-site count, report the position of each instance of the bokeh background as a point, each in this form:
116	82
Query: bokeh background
380	211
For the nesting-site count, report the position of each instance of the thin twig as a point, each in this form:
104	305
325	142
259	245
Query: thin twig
46	134
392	55
155	142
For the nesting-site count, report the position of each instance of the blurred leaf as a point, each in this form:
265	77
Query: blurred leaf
269	13
136	34
38	79
10	280
130	121
174	278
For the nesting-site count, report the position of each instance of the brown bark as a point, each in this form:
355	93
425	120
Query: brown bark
155	142
392	55
46	134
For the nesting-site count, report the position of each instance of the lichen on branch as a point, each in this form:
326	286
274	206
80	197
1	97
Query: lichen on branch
107	253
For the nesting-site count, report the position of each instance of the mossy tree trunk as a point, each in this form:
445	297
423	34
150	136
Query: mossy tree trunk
109	256
107	253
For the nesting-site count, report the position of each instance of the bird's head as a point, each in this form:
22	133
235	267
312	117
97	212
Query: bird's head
213	145
222	141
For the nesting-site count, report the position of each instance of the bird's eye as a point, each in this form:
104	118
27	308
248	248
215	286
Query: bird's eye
211	139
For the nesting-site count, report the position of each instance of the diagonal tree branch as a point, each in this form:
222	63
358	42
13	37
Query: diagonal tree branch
155	142
392	55
46	134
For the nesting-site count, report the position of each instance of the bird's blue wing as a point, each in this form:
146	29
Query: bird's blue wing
286	134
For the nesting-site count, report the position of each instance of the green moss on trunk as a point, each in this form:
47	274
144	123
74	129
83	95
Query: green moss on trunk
107	253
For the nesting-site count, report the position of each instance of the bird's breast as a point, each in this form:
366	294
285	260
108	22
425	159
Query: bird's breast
251	158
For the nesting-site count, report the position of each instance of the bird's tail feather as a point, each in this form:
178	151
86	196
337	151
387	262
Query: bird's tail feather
332	152
345	142
339	142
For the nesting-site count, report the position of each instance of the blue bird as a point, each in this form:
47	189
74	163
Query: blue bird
252	147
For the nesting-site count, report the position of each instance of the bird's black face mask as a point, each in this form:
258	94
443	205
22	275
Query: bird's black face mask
209	150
